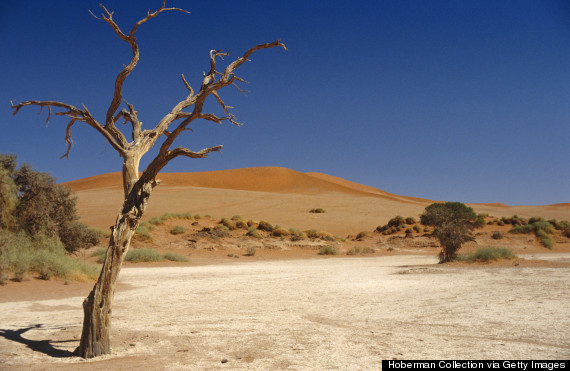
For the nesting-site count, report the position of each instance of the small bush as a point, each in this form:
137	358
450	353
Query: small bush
280	232
566	233
143	232
230	224
368	250
361	235
235	218
417	228
397	221
297	235
265	226
543	226
544	238
312	233
254	232
241	224
408	231
220	231
354	251
487	254
317	211
143	255
328	250
410	221
325	236
175	257
250	251
497	235
522	229
178	229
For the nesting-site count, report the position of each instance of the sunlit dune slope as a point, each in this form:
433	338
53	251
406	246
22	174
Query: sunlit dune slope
278	195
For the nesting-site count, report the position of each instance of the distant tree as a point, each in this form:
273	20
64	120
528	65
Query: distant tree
453	222
138	186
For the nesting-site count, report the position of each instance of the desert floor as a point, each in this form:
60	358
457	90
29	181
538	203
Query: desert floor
321	313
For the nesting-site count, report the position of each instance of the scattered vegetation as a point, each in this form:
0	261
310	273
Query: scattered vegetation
487	254
541	228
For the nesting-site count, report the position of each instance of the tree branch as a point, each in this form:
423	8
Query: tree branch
75	114
126	71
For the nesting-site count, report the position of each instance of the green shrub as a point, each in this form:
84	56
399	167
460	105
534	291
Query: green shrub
522	229
354	251
43	255
250	251
312	233
410	221
175	257
280	232
325	236
265	226
328	250
497	235
544	238
417	228
543	226
254	232
230	224
487	254
143	232
297	235
220	231
178	229
408	231
361	235
143	255
236	218
241	224
397	221
317	211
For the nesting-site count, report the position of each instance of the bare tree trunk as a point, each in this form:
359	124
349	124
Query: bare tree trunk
97	306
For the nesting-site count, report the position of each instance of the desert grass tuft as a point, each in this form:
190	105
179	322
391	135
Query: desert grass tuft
328	250
487	254
175	257
178	229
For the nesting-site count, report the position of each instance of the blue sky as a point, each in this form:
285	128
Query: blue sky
448	100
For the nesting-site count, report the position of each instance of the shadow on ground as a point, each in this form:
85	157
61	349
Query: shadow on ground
42	346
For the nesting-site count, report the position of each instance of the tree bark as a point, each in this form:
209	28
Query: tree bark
97	306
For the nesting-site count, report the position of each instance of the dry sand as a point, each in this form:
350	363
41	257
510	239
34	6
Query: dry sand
340	313
279	195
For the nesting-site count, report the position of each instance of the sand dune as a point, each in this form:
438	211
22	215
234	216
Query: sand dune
279	195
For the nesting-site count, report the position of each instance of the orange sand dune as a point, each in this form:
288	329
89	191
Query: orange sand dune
278	195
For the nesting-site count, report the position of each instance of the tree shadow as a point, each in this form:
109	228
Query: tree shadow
42	346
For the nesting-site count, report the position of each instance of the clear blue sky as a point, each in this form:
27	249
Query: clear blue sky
448	100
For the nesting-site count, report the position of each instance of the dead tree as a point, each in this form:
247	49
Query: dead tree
137	189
